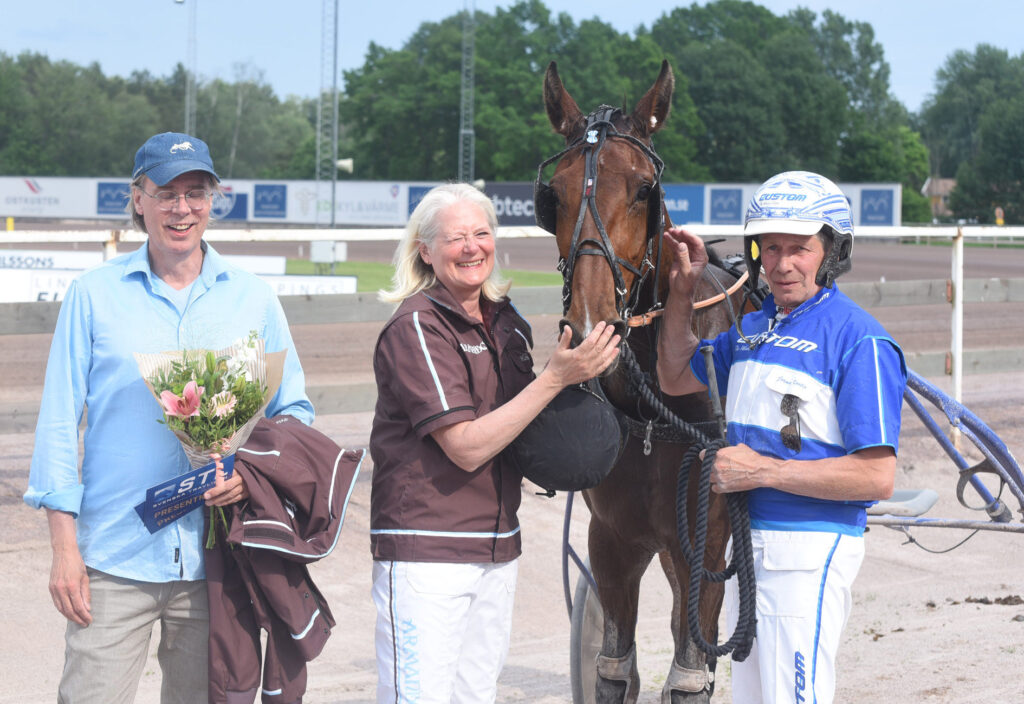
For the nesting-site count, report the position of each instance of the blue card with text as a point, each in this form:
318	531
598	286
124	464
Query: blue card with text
168	501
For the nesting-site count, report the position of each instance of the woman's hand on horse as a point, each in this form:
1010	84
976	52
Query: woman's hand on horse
689	257
572	365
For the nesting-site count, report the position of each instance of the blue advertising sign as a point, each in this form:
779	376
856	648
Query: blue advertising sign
416	194
230	205
112	197
685	203
270	200
876	207
513	203
726	206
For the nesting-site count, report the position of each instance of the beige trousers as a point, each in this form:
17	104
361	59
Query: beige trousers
104	661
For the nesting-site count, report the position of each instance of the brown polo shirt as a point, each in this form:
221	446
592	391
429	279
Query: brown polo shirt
435	366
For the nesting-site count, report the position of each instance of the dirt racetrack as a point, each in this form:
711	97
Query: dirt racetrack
926	628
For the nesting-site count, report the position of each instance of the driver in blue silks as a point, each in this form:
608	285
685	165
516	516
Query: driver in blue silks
814	390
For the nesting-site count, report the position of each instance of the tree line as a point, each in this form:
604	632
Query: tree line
756	93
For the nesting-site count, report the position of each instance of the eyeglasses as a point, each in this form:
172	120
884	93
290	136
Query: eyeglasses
197	199
791	432
462	240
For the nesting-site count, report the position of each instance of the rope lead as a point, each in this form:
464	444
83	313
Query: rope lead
742	564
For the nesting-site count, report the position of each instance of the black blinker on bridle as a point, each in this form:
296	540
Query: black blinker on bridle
598	130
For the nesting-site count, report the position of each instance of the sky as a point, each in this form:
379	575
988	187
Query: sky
282	40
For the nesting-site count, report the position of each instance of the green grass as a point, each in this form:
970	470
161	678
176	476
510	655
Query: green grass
373	276
532	278
968	242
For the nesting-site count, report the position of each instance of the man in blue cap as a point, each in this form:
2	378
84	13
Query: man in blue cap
111	578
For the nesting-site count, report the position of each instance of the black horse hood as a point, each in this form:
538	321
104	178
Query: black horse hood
571	445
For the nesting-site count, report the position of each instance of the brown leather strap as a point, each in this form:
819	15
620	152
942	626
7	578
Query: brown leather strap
637	321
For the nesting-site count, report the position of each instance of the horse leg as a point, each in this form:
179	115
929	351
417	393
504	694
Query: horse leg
617	569
692	674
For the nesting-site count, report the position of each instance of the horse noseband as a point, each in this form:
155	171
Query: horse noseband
598	130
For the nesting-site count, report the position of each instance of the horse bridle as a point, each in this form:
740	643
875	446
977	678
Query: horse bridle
598	130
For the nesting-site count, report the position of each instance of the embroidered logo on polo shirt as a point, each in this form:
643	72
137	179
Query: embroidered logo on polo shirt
473	349
776	340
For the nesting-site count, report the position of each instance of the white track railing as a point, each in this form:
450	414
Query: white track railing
956	234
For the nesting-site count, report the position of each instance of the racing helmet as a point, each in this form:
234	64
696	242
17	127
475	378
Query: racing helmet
800	203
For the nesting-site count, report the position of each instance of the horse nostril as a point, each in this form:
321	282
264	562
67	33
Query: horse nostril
576	336
620	328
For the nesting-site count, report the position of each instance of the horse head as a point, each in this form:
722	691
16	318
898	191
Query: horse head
604	202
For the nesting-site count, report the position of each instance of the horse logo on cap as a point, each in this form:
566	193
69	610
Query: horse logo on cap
182	146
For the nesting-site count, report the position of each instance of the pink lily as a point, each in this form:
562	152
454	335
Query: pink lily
185	405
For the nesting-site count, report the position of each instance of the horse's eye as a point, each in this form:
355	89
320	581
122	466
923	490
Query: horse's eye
644	193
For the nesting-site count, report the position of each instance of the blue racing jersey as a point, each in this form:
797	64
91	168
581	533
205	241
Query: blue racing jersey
848	376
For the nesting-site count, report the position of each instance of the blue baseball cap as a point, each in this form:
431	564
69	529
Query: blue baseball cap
166	156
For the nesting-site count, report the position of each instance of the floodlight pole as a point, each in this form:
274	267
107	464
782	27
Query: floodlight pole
191	62
467	137
327	115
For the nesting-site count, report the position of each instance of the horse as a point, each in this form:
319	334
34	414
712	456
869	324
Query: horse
605	205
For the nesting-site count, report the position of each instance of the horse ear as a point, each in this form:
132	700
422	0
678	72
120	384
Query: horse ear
652	110
563	112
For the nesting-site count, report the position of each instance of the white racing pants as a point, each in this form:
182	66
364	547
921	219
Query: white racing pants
804	581
442	630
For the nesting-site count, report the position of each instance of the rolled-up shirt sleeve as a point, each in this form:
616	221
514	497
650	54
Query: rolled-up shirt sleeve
54	479
291	398
426	372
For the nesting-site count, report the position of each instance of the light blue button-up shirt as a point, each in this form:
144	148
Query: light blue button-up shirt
108	313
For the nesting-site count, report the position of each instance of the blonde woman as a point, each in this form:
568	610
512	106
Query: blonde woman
455	386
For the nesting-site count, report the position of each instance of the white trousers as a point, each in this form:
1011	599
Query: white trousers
804	582
442	630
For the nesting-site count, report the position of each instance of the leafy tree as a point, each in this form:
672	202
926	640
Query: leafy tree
965	88
913	174
416	90
851	55
402	106
774	92
995	177
65	120
256	135
755	93
60	119
166	96
744	140
812	104
895	155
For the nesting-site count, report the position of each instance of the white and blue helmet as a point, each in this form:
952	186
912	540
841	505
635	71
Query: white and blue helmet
800	203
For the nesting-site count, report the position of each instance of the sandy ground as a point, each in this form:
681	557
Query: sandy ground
920	630
926	628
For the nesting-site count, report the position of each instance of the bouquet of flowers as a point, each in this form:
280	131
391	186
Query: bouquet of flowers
212	399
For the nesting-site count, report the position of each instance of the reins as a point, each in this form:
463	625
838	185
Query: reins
598	130
742	564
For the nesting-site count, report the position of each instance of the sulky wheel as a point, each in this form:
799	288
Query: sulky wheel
585	639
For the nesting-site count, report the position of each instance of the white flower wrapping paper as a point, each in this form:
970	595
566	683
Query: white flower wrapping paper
259	366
